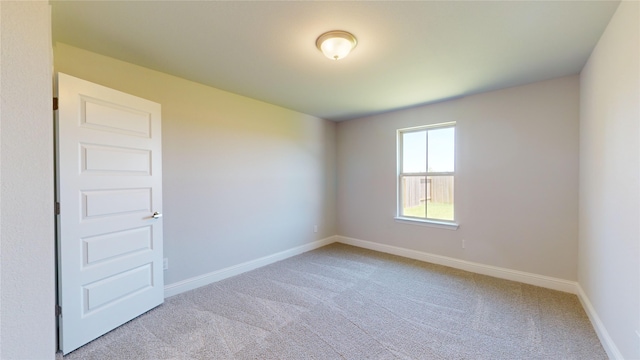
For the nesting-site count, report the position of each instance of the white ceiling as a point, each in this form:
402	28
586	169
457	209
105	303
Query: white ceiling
408	53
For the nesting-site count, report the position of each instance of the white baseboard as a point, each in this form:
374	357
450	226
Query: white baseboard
520	276
206	279
607	343
498	272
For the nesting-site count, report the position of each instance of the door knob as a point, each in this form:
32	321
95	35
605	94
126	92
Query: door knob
156	215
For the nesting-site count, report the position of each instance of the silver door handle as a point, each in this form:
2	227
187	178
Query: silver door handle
156	215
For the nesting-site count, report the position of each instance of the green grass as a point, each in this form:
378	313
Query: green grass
437	211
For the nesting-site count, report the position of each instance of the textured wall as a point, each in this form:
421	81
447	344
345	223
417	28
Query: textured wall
609	259
27	295
242	179
516	185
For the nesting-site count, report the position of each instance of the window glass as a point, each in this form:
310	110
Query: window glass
439	197
414	152
414	196
441	149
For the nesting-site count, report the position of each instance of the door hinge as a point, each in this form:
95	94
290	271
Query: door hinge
55	103
58	310
57	208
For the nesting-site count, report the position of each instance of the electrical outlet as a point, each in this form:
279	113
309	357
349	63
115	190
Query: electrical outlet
463	243
165	264
315	228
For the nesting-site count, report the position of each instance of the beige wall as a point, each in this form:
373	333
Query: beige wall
516	185
27	292
609	258
242	179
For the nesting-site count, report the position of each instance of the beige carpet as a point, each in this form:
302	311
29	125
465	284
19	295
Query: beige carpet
342	302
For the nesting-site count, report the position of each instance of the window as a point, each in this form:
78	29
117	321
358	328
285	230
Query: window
426	172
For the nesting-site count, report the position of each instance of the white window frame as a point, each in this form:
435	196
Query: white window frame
452	225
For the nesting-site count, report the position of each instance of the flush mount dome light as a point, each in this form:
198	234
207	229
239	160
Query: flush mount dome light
336	44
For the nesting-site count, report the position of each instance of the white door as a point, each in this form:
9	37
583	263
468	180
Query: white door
109	185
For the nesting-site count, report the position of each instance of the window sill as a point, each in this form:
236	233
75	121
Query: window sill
429	223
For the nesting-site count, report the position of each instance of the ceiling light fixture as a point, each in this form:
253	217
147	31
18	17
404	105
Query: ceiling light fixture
336	44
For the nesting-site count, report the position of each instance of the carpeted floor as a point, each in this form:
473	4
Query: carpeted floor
342	302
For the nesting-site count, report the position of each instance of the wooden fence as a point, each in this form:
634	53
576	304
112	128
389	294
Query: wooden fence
438	189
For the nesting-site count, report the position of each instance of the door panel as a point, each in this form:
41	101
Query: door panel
112	202
108	116
109	183
121	243
97	158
